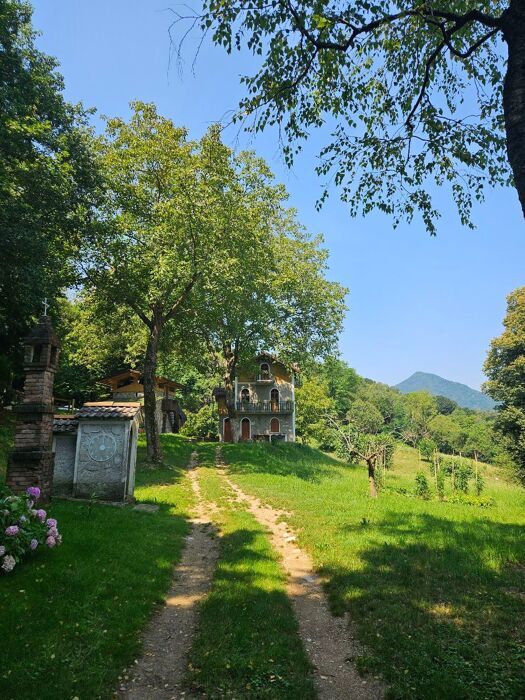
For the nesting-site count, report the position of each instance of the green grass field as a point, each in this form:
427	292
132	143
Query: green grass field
71	618
436	590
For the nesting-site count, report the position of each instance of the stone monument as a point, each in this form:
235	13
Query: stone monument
31	461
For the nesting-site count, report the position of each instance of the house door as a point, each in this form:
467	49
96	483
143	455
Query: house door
275	426
227	431
245	429
274	399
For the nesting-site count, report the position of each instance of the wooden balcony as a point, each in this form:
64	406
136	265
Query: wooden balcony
264	406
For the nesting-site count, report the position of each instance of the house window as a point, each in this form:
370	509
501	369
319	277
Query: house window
274	399
245	395
265	370
275	426
245	429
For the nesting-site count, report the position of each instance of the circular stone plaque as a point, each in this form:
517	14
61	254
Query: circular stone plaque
101	447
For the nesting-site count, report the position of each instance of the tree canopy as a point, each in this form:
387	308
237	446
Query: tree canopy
48	180
505	368
412	93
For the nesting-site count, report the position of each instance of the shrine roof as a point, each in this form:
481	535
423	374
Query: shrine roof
110	410
136	375
65	424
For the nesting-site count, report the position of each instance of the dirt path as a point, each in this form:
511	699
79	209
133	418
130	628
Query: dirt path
167	640
327	639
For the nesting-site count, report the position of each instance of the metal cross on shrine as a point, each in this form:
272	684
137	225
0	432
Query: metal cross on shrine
46	306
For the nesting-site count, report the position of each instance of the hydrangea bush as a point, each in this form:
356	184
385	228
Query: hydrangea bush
24	527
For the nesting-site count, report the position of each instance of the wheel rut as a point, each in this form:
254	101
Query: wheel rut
328	640
159	672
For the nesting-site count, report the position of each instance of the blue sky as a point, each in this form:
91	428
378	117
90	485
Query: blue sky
416	302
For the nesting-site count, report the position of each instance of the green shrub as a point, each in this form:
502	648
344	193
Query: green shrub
422	487
202	425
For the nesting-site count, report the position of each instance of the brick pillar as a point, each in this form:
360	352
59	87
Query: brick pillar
31	462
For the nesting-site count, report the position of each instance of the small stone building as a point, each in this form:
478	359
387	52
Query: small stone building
127	385
263	404
96	450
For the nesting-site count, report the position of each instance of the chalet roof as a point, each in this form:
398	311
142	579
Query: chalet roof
137	376
65	424
110	410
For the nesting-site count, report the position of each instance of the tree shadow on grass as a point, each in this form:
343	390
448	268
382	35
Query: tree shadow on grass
287	459
247	644
436	609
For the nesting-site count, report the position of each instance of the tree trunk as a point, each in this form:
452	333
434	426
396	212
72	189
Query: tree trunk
514	93
230	357
372	478
154	451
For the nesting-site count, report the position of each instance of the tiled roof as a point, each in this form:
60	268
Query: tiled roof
110	410
65	424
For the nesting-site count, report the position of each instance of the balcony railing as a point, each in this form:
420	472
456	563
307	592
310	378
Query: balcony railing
265	377
169	404
264	406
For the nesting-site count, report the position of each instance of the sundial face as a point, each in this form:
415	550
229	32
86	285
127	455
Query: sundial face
101	447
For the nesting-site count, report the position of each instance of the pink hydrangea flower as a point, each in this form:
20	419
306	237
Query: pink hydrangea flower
9	563
33	544
51	522
53	532
51	542
12	530
34	492
41	515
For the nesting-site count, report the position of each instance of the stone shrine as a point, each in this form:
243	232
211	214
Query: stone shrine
95	451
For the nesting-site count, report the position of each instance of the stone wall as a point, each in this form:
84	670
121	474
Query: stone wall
65	449
260	425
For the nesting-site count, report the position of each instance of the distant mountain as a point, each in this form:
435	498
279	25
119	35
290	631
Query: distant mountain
437	386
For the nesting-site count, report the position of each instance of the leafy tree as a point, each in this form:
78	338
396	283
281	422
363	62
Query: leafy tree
505	368
275	297
202	424
353	441
48	182
444	405
366	417
313	404
413	92
421	408
342	382
427	447
170	225
389	402
446	432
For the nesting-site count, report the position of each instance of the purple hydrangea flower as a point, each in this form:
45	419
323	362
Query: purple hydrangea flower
51	522
34	492
41	515
51	542
12	530
33	544
9	563
53	532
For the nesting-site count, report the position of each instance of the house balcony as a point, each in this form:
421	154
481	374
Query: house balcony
170	405
264	406
264	378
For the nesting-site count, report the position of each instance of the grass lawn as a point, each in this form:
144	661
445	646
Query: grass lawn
436	590
71	618
247	644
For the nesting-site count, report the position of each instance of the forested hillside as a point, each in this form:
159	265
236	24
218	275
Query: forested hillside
463	395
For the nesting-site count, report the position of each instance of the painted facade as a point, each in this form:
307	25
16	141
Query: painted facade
263	405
